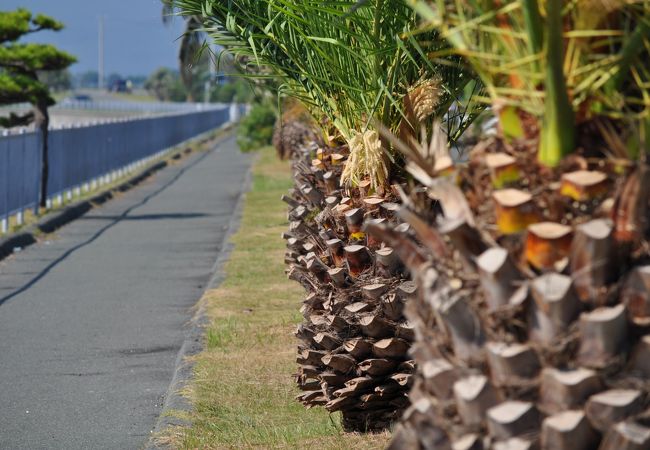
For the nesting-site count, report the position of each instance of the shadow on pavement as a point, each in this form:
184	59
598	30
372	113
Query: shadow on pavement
114	221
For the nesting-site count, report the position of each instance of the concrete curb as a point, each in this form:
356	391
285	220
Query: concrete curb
194	343
56	219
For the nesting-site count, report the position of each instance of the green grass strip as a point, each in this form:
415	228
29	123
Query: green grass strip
243	391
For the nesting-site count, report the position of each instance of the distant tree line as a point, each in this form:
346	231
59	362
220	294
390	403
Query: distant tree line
164	84
64	80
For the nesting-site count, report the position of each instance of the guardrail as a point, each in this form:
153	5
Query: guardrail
83	158
123	106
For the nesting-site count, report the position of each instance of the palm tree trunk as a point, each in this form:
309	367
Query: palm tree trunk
558	133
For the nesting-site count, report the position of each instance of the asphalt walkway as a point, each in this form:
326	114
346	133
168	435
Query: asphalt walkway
91	321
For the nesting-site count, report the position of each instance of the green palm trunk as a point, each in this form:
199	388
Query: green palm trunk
558	128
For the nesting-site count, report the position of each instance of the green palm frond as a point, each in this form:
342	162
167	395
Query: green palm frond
351	61
600	53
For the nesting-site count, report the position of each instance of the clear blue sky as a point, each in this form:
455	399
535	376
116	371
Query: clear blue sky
136	41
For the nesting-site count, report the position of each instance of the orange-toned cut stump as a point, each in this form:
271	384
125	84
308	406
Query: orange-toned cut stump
318	164
371	240
336	158
354	221
503	169
337	254
358	259
514	210
584	185
547	243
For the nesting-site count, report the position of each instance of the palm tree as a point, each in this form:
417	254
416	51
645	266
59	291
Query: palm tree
343	63
190	46
352	65
534	284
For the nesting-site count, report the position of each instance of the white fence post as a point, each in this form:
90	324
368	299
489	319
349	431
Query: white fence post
234	112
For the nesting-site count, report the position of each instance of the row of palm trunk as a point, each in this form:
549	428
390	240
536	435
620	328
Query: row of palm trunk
528	332
495	299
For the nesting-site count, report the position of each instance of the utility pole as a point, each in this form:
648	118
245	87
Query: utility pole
100	66
213	74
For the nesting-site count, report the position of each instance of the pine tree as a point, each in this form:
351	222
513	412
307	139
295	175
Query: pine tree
20	64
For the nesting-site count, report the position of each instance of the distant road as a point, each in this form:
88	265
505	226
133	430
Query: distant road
60	117
92	320
104	106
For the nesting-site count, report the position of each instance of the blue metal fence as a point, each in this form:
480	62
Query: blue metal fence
19	171
78	156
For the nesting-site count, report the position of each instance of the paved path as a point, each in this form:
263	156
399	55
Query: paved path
91	321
